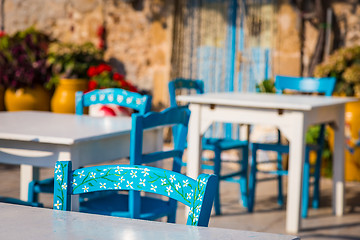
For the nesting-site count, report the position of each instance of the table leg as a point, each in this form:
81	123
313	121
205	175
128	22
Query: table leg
296	135
194	142
194	146
28	173
338	165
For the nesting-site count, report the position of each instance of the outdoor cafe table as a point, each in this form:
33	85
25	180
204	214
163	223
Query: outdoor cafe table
38	139
292	115
20	222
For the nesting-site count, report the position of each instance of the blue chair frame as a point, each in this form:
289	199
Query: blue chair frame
122	205
217	145
197	194
19	202
303	85
120	97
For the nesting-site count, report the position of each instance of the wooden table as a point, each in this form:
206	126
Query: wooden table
20	222
292	115
39	139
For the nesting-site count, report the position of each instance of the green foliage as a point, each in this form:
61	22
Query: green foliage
72	61
312	137
344	64
266	86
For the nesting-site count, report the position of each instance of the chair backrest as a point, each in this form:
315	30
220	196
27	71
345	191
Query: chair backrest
177	118
197	194
184	84
305	84
118	96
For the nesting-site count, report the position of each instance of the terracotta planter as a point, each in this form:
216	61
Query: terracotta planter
63	100
37	98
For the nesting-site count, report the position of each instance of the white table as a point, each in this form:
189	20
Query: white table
19	222
292	115
39	139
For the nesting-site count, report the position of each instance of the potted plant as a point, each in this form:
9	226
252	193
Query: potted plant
103	76
69	64
24	71
344	64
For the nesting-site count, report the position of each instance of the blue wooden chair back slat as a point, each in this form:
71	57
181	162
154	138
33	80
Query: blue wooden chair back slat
301	84
120	97
171	116
181	83
194	193
158	156
176	117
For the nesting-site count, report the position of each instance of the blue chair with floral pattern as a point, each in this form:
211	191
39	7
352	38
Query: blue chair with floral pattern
197	194
146	207
217	145
120	97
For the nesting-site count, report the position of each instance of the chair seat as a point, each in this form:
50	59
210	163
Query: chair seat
223	143
283	148
116	204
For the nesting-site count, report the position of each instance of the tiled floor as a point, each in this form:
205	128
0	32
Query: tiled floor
267	217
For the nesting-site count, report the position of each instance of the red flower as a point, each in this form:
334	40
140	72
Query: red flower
101	44
100	31
107	111
92	71
2	33
118	77
92	85
103	67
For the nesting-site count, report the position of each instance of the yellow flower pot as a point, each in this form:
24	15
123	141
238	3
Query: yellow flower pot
63	100
352	130
37	98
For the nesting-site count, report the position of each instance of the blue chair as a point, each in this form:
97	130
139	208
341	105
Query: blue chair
217	145
120	97
19	202
197	194
301	85
146	207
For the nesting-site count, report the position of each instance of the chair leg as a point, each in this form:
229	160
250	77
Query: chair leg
252	179
217	170
305	189
280	182
316	195
244	177
32	195
171	217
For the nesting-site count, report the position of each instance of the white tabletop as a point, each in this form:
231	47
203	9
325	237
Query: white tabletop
20	222
56	128
263	100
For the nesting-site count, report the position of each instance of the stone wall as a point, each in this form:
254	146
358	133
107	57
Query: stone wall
138	33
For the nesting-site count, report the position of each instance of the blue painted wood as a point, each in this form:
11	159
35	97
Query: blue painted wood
19	202
218	145
132	205
197	194
303	85
120	97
